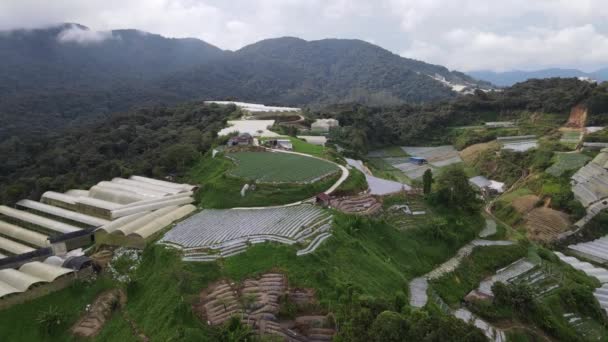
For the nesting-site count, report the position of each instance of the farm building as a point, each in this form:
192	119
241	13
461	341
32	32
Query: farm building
594	145
256	128
255	107
215	233
590	182
324	125
282	144
487	186
500	124
243	139
314	139
520	143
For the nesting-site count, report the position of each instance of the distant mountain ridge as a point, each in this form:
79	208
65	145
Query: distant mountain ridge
508	78
67	72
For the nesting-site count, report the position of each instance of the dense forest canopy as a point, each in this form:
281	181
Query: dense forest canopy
159	141
155	141
47	83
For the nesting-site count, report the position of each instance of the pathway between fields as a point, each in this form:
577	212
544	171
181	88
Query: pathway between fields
377	186
419	286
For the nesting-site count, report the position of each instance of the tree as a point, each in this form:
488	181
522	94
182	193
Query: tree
389	326
427	181
454	190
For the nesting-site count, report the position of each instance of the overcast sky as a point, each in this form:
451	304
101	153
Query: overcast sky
459	34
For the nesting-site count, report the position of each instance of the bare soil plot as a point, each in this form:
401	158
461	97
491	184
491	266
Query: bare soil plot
545	224
578	117
525	203
470	153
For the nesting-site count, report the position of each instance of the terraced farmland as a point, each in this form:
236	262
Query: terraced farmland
274	167
567	162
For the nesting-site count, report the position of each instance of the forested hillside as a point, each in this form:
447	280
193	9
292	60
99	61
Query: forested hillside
60	76
156	141
428	123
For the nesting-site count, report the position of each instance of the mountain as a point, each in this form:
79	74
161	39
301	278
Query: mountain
508	78
297	72
53	77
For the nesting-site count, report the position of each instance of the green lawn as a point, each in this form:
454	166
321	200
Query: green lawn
271	167
353	185
19	322
220	191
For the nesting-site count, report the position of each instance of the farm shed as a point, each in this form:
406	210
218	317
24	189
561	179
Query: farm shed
594	145
500	124
256	128
519	143
255	107
486	185
314	139
243	139
324	125
323	199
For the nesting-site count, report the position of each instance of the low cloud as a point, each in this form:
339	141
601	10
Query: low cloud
83	36
532	48
460	34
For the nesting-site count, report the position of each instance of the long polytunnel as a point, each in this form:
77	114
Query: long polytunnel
44	271
156	225
145	193
58	199
151	206
158	200
163	183
22	234
149	217
114	195
113	225
37	220
64	213
6	289
144	185
14	247
97	203
19	280
77	193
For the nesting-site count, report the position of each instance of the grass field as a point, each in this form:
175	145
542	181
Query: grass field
565	162
267	167
221	191
353	185
19	322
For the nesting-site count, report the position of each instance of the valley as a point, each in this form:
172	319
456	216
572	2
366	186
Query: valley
293	190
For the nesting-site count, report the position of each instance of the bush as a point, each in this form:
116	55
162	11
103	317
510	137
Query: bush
50	320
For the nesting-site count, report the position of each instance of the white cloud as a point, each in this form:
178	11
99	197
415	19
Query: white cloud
460	34
532	48
75	34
